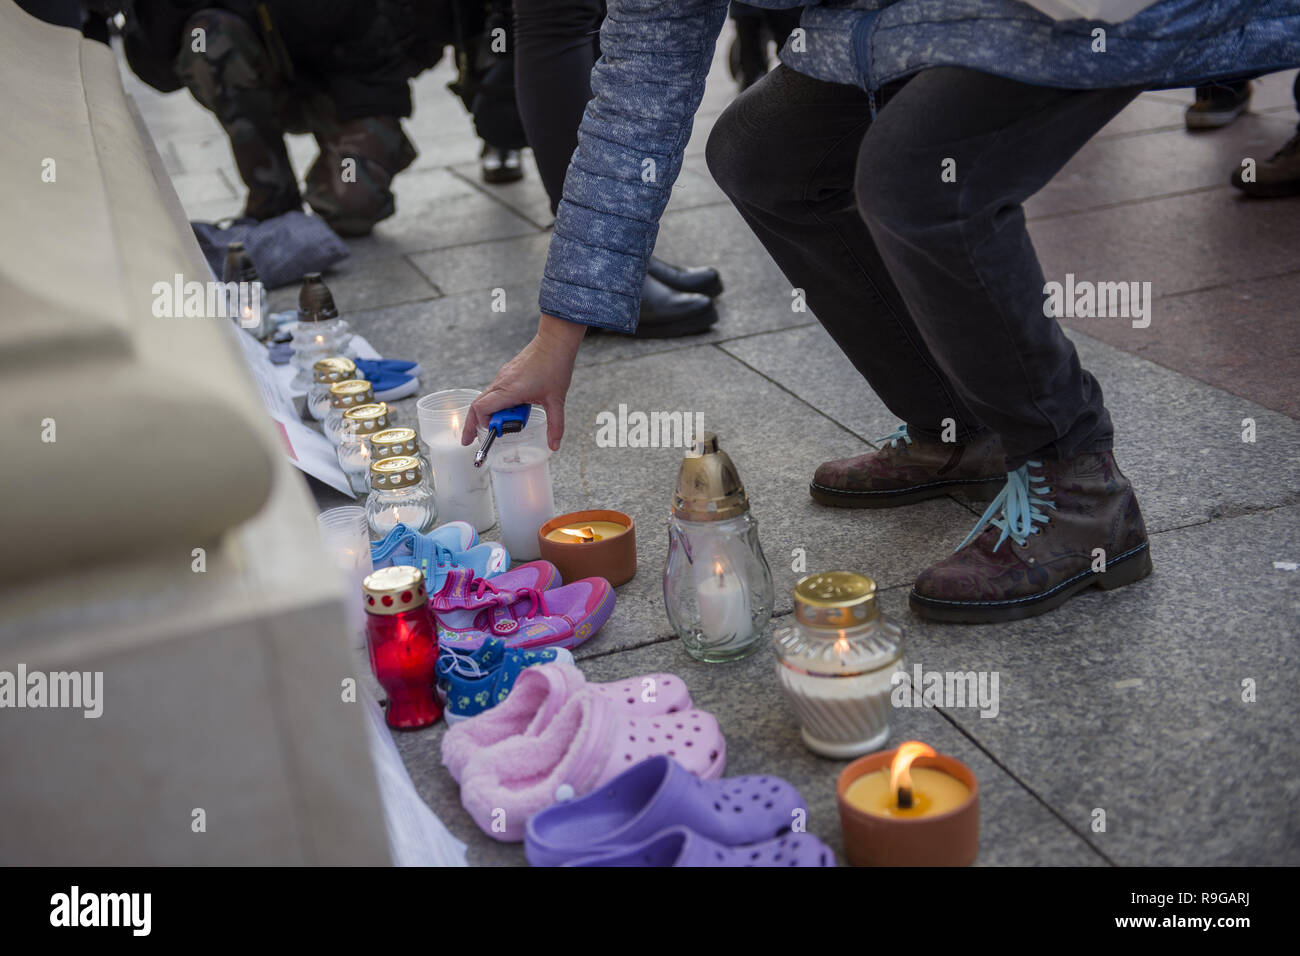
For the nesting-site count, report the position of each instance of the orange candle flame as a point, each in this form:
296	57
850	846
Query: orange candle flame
900	771
585	535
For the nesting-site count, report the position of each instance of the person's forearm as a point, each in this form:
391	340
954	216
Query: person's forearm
561	334
647	87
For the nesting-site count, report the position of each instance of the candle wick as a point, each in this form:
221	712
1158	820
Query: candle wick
904	798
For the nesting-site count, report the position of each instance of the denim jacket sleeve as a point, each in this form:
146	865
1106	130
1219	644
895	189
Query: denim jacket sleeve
646	88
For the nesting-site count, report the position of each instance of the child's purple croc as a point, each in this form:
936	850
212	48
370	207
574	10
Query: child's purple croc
654	795
678	846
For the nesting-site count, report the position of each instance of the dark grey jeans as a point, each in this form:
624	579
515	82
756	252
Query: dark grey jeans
931	288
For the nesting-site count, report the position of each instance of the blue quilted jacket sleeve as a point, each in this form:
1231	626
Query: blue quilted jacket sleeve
646	88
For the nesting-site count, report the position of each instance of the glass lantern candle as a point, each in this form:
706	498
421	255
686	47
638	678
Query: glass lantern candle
520	463
359	423
464	492
399	493
717	586
345	395
402	643
246	301
836	664
319	333
326	372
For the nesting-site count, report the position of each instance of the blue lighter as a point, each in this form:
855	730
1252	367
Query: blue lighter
508	421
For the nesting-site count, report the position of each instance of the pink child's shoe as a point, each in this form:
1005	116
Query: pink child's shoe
589	742
539	694
469	610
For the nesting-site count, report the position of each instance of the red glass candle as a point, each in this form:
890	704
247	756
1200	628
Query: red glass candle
403	644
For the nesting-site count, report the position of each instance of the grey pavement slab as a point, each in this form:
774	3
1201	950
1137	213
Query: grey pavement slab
1178	440
1155	164
1131	701
762	738
1177	243
365	284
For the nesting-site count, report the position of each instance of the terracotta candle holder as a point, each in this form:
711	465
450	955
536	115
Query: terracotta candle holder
944	839
613	557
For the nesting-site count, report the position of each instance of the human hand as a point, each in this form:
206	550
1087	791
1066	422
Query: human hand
538	375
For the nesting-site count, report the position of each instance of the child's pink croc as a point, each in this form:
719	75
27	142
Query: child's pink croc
589	742
538	695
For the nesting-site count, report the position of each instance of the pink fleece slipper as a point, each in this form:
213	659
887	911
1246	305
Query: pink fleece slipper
540	692
589	742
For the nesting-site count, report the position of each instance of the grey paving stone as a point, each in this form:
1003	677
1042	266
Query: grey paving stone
1178	440
359	285
428	222
527	196
204	188
1132	701
1177	243
1116	169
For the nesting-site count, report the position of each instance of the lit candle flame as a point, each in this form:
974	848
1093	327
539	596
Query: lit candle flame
900	771
585	535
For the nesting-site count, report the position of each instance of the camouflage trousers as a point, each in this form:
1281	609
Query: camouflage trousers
230	73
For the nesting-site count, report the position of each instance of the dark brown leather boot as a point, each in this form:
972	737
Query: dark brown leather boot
906	470
1056	528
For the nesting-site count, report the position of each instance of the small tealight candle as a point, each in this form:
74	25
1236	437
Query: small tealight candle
589	533
896	814
902	790
589	544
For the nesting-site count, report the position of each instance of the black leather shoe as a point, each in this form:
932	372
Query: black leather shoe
501	165
698	279
667	313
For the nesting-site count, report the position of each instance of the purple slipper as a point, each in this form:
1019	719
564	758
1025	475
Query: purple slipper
656	794
678	846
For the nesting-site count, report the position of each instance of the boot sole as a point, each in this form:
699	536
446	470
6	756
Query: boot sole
1133	565
838	498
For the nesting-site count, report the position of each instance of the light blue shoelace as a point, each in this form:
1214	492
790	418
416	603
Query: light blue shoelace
1016	508
894	437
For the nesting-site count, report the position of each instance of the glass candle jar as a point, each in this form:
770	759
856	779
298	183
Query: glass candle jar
246	297
326	372
836	664
402	643
399	494
396	441
464	492
319	332
345	395
359	423
521	483
718	588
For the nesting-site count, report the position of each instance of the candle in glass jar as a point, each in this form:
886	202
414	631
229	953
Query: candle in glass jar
521	481
461	489
587	532
724	605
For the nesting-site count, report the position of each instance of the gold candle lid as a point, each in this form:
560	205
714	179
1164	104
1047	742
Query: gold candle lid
708	485
368	418
394	590
335	368
835	599
354	391
394	442
400	471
